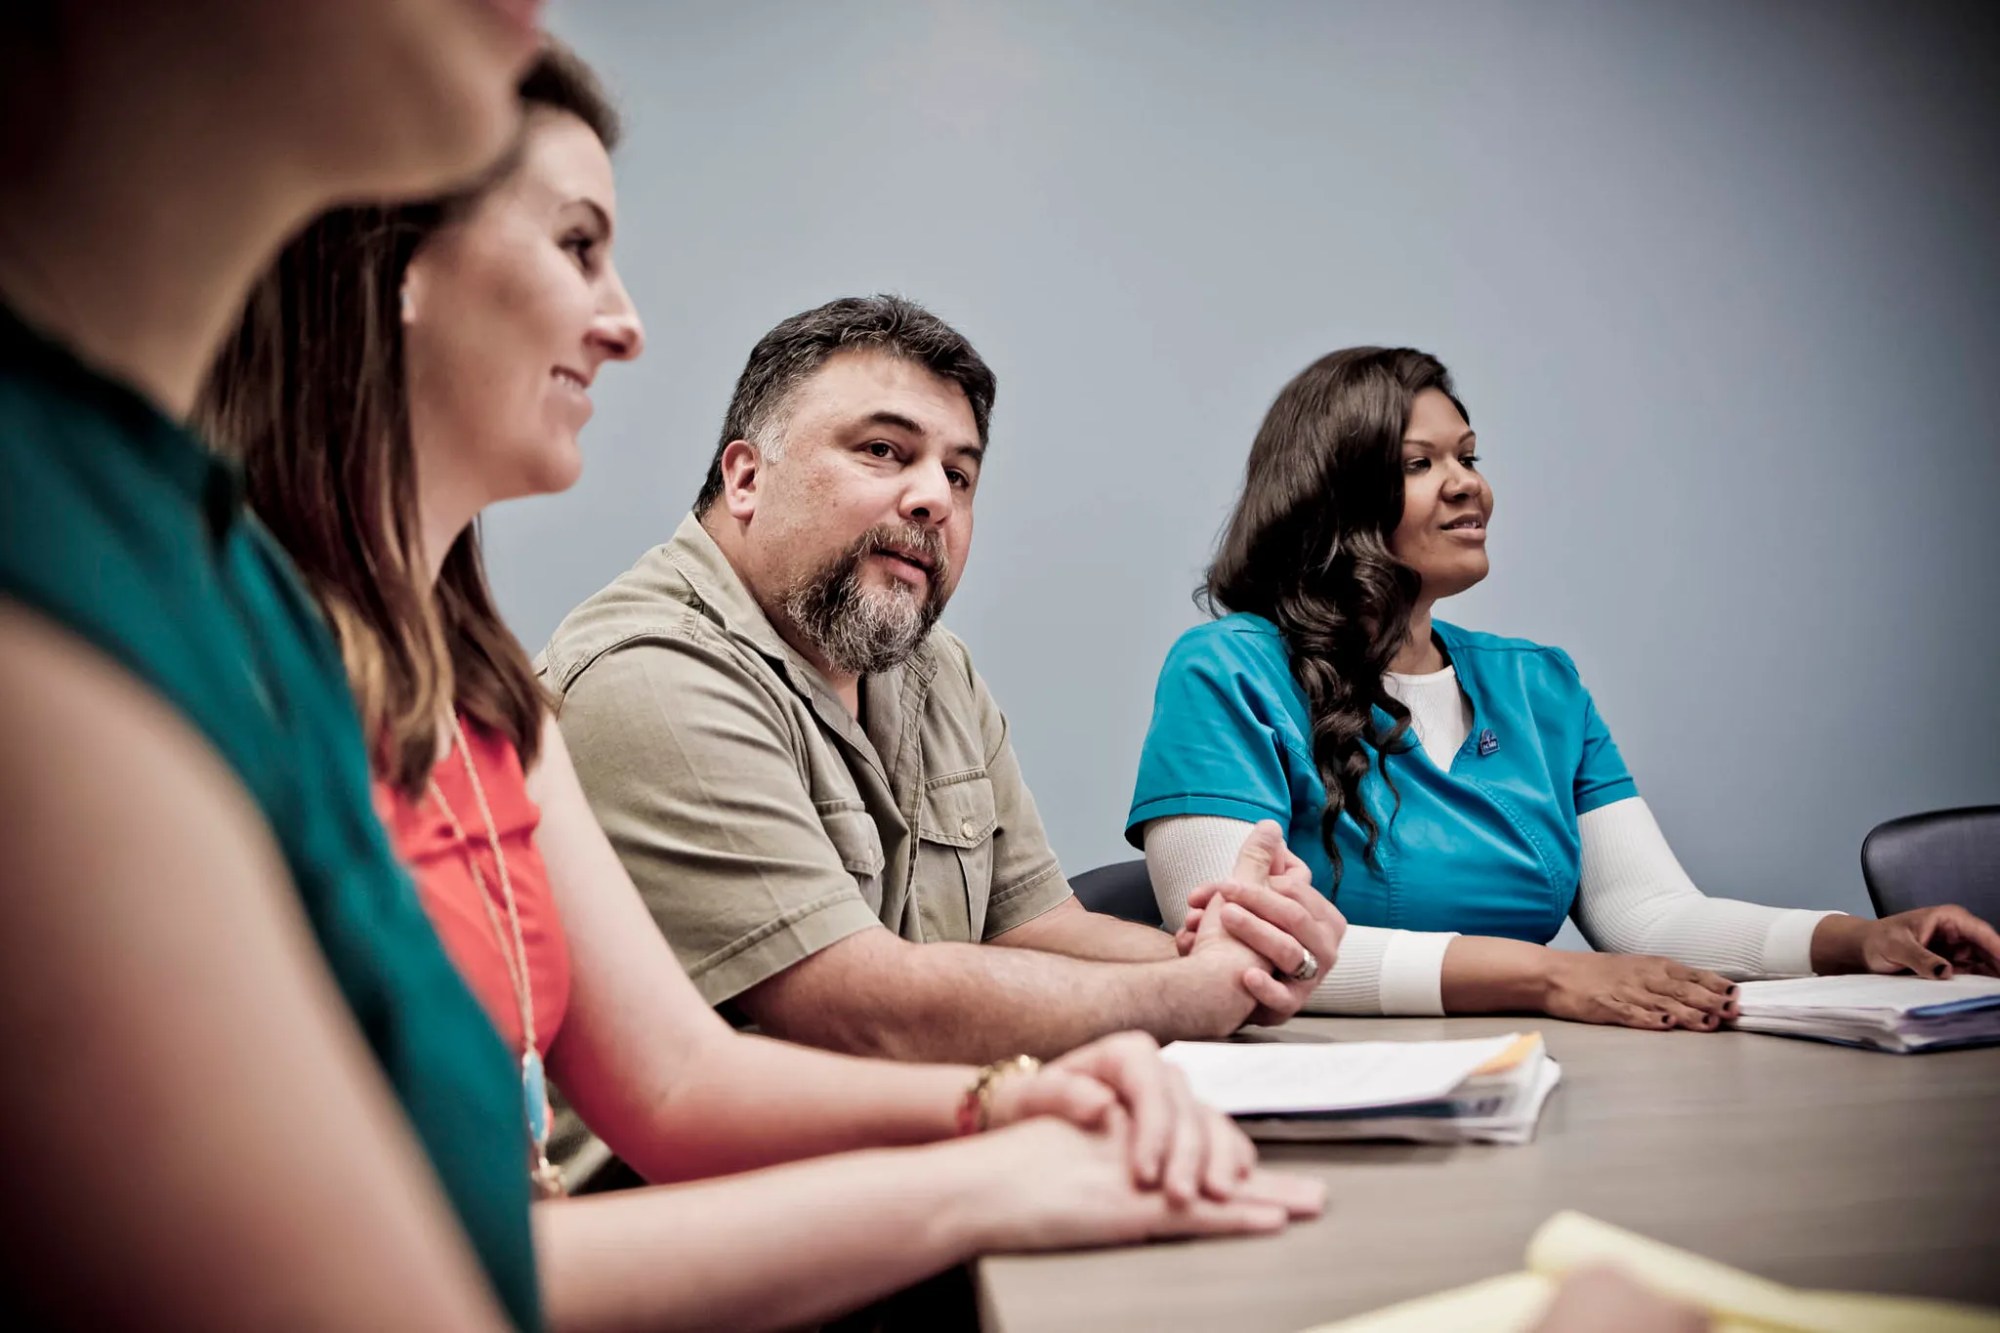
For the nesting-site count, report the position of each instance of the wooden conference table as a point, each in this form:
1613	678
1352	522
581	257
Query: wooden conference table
1807	1163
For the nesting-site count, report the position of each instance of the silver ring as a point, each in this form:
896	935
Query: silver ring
1308	969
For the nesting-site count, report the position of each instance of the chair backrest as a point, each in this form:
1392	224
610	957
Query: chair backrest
1944	856
1122	889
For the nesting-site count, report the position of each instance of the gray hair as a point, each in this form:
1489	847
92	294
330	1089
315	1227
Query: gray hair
791	353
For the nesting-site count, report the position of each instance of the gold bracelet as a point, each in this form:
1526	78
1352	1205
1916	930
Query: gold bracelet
975	1108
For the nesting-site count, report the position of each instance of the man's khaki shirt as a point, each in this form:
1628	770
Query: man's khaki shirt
760	821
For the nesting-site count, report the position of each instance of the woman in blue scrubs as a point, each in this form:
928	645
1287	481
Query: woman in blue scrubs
1455	793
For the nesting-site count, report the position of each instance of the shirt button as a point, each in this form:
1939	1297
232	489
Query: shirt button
965	828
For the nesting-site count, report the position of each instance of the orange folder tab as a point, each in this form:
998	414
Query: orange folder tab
1524	1046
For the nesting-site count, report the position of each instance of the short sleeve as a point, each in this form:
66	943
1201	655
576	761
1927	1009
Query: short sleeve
1220	733
1601	775
1027	880
693	769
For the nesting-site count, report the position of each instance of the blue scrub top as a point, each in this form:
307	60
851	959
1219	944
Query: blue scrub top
1488	846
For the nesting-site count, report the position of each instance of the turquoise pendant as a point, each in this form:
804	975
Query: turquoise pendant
535	1091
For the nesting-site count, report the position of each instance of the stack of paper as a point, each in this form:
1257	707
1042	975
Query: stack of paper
1489	1090
1899	1014
1736	1301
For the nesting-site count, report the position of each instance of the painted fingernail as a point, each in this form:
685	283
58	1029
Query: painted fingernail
1666	1020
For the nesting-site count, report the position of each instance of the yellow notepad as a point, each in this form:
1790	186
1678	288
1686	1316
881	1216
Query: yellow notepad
1737	1301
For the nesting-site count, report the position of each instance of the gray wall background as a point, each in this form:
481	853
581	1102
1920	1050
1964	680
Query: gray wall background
1719	283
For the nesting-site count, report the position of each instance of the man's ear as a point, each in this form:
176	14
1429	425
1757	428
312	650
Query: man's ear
742	476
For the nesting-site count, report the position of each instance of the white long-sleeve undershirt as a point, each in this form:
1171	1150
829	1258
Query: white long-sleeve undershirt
1632	895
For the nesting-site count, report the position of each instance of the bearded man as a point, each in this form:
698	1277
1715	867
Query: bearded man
807	780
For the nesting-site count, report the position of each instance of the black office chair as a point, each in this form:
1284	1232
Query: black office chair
1944	856
1122	889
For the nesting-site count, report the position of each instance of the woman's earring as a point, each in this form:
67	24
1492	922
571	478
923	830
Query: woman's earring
403	302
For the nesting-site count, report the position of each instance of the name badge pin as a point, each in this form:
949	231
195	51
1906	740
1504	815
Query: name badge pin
1488	742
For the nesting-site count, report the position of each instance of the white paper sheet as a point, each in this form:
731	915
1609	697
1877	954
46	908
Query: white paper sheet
1296	1077
1896	995
1888	1013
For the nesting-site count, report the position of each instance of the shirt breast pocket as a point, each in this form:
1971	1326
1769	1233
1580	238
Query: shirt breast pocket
859	846
955	856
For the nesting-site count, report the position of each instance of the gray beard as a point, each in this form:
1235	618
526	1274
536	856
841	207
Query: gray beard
857	630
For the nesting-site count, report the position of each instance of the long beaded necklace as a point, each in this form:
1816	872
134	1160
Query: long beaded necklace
545	1175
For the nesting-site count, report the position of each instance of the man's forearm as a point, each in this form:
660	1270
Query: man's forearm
974	1003
1073	930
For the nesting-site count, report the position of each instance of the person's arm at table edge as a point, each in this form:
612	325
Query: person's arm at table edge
874	993
1634	897
1073	930
213	1080
1935	941
755	1251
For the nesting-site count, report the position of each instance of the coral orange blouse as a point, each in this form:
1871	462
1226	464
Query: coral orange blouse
423	837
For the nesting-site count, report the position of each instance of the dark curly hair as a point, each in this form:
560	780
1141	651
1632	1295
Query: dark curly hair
1307	548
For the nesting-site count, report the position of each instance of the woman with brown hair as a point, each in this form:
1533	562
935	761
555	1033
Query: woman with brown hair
1455	793
399	370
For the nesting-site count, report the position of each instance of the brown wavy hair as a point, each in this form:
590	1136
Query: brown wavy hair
1307	548
311	395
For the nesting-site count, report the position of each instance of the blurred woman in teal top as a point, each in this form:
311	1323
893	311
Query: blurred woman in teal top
1457	794
256	1093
